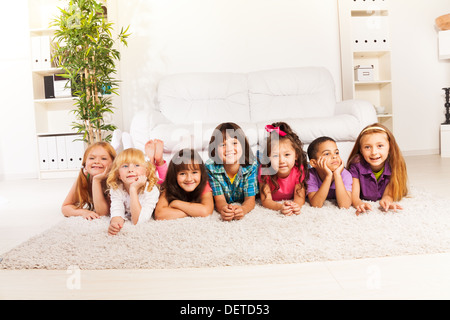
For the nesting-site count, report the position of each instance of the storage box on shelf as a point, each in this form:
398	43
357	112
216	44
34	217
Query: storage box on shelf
365	41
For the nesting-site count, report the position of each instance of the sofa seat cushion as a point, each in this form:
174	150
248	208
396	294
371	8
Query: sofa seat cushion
196	135
340	127
293	92
212	97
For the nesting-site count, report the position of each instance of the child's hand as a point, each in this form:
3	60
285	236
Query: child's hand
363	207
295	207
286	209
322	166
227	212
387	205
140	181
290	207
339	169
102	176
89	215
115	225
238	212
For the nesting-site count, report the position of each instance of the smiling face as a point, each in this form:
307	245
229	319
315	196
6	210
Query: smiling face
329	150
375	150
97	161
230	151
129	172
189	179
282	158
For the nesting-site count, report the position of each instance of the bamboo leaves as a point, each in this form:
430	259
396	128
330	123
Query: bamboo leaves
84	49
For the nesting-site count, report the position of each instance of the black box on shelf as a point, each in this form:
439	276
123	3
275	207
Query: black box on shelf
56	87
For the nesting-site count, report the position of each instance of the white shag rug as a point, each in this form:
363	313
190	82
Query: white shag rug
262	237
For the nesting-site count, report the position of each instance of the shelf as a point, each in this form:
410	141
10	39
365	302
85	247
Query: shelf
61	133
55	100
42	32
373	83
48	72
369	12
370	54
384	115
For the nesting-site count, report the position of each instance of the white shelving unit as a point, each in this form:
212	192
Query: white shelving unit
365	41
59	155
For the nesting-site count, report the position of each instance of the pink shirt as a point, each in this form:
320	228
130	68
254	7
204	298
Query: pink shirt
287	185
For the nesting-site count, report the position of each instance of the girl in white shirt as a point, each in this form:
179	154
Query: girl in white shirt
133	188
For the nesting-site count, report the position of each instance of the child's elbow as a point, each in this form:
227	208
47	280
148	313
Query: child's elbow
205	212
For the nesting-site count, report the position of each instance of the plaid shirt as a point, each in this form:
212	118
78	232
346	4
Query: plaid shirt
244	185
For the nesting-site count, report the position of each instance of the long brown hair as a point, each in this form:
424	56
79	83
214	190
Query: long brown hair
300	160
399	176
185	159
83	191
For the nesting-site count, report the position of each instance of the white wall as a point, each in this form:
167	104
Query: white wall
418	74
176	36
18	150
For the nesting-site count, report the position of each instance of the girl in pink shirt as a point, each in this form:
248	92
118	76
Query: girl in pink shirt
186	191
283	171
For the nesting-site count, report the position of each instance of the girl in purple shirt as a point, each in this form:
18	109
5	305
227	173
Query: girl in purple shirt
378	169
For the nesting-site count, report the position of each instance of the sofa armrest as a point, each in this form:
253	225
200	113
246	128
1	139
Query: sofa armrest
363	110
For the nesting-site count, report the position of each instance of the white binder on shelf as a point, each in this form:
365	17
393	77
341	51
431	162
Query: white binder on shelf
43	153
46	62
61	152
36	53
75	152
52	153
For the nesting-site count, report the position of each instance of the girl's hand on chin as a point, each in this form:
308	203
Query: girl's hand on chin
140	181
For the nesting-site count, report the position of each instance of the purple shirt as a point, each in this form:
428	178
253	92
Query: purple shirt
370	188
314	182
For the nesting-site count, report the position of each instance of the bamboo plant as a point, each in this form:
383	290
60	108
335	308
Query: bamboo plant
84	49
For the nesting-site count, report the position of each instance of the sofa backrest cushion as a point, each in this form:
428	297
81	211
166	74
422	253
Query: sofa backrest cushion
204	97
292	92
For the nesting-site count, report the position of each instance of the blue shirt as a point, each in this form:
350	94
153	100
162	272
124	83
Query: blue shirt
244	185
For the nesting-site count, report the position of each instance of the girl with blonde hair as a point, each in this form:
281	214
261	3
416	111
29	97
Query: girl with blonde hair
133	188
378	169
88	196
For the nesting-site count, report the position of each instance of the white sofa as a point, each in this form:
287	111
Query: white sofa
189	107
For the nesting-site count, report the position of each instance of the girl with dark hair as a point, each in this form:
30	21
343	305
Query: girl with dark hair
283	170
232	170
185	191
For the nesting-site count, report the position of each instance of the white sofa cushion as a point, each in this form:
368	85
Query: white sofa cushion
293	92
196	135
340	127
217	97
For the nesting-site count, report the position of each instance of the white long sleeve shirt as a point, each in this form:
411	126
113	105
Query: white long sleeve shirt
120	203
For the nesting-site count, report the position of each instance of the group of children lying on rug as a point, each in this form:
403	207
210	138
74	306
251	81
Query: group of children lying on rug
128	186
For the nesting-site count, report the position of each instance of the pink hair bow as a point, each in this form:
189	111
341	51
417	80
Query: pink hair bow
270	128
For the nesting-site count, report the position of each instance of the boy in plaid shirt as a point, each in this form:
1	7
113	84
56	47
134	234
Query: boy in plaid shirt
232	171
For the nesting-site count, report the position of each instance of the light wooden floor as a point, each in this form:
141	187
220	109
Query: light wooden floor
33	206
